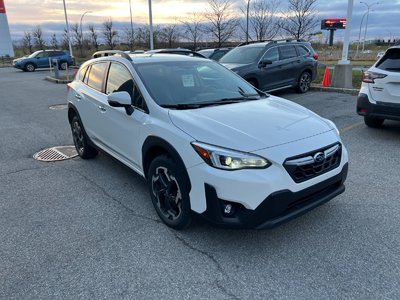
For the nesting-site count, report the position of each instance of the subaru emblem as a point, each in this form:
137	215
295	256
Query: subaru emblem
319	157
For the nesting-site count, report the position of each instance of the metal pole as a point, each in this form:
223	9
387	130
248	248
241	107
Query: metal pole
366	23
68	34
86	12
359	33
247	21
345	51
131	34
151	26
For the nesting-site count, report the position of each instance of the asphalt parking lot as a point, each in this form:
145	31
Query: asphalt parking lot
87	229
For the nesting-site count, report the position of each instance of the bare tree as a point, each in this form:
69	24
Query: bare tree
53	41
93	37
263	21
142	36
77	37
129	37
300	18
109	33
37	34
192	29
222	23
169	34
27	41
65	39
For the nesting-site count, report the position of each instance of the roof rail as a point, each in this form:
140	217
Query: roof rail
271	41
253	42
111	53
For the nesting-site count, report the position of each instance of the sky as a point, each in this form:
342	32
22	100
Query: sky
23	15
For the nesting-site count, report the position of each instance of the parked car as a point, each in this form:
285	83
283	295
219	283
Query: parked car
379	96
274	65
180	51
206	141
40	59
214	54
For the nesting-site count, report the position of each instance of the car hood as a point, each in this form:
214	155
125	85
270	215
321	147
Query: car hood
231	66
250	126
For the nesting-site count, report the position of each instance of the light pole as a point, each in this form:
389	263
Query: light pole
69	36
131	34
366	23
359	33
86	12
151	26
247	21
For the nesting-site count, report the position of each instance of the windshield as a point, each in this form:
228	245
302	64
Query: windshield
241	55
391	61
206	53
35	53
180	83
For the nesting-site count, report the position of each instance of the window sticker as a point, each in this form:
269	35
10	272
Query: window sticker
188	80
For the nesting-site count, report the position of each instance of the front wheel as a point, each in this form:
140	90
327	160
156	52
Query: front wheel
30	67
81	141
169	191
303	86
373	122
63	65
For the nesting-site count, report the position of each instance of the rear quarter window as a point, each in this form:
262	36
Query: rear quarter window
390	61
96	75
81	73
303	51
287	52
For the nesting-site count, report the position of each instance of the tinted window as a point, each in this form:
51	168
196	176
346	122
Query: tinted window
391	61
272	54
191	82
82	72
52	53
287	52
302	51
42	54
96	75
218	55
242	55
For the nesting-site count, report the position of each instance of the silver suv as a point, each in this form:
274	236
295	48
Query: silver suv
274	65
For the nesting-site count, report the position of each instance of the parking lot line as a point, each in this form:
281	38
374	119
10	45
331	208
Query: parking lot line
350	127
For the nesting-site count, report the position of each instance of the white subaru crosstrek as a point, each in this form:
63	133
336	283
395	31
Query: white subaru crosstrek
205	140
379	96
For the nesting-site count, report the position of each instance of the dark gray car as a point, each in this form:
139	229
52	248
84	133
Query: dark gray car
274	65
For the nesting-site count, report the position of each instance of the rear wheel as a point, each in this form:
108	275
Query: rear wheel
30	67
373	122
63	65
303	86
81	141
169	191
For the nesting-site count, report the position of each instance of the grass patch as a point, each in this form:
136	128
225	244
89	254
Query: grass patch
357	77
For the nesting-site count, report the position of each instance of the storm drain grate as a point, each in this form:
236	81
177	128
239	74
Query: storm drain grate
56	153
58	107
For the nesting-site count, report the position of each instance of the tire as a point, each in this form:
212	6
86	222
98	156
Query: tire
63	65
169	192
304	83
81	140
373	122
29	67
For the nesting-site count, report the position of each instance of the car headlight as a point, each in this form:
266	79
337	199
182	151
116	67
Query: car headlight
226	159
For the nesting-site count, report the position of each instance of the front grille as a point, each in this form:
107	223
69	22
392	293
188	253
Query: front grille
313	164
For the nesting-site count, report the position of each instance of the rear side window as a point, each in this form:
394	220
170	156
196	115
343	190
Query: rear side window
96	75
81	74
302	51
390	61
287	52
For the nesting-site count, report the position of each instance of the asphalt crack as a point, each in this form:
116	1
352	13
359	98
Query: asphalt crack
23	170
105	193
213	260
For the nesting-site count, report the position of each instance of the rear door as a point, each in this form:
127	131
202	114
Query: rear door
290	64
387	89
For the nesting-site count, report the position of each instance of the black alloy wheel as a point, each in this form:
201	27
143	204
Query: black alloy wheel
81	141
304	82
168	191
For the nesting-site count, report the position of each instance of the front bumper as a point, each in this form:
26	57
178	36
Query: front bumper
382	110
277	208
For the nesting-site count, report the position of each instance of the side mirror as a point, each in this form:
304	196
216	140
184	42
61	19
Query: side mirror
121	99
265	62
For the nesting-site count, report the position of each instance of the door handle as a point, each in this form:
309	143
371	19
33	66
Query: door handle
78	97
102	108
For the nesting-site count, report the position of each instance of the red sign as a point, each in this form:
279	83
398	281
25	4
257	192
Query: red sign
334	23
2	7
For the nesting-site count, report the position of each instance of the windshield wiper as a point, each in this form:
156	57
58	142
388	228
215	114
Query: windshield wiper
210	103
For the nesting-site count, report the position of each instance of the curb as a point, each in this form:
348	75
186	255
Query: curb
353	92
55	80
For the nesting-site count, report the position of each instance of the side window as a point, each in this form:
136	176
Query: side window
120	79
96	75
82	73
41	54
85	80
272	54
287	52
217	56
53	53
302	51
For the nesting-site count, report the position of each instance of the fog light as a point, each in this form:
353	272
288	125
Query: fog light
228	209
